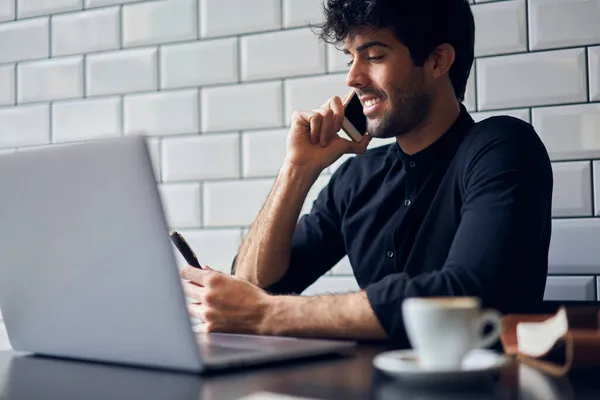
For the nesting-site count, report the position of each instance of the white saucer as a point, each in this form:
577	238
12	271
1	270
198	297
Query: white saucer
403	364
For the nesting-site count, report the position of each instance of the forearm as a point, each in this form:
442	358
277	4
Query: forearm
343	316
264	255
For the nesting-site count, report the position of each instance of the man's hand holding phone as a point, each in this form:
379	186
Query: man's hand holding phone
313	141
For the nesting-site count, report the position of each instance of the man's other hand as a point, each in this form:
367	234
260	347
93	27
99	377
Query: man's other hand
224	303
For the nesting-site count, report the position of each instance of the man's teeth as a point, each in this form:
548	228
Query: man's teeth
372	102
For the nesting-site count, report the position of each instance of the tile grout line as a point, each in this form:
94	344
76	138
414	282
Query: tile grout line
527	27
588	71
593	188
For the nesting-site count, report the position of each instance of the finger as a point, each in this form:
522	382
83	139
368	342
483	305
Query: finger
315	127
193	291
196	275
196	311
338	112
326	127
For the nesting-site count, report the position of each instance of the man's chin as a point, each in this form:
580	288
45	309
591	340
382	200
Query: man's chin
378	131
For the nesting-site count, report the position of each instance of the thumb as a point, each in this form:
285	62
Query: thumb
359	148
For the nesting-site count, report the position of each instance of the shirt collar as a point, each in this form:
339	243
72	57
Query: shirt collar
446	144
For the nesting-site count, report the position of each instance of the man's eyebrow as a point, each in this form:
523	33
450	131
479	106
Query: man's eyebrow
368	45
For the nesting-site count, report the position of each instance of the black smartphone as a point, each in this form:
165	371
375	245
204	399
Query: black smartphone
355	122
185	249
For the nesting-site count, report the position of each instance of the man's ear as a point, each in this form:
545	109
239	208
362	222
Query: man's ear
442	58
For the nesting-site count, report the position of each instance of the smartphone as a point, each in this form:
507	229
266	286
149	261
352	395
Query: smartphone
355	122
185	249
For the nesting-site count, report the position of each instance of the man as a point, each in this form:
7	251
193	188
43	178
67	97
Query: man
453	208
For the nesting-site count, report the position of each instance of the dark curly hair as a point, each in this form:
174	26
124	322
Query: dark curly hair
421	25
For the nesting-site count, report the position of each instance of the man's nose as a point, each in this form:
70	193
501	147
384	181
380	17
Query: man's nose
357	76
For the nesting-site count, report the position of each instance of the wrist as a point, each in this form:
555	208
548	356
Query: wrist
275	314
307	171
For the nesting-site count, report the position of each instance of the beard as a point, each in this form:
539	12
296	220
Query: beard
410	104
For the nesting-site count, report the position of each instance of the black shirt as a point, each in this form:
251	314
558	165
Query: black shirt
469	215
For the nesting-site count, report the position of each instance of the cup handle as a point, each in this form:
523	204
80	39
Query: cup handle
493	318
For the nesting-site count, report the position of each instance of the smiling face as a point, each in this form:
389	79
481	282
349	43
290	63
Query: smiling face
396	94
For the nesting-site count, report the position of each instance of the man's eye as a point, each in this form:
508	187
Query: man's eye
377	58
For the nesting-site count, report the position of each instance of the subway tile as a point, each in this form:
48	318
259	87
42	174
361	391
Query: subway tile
597	187
332	285
542	78
185	65
470	101
217	18
7	85
594	72
213	247
501	27
25	125
156	22
234	203
86	119
281	54
336	59
162	113
154	152
302	12
86	32
52	79
263	152
121	72
598	287
561	23
210	156
314	191
570	288
343	267
313	92
574	246
7	11
569	132
247	106
521	113
181	203
572	195
102	3
34	32
33	8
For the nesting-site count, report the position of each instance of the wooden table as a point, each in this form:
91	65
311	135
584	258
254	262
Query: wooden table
333	377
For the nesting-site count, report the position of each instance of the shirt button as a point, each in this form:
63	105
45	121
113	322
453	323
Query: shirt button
407	202
411	164
390	254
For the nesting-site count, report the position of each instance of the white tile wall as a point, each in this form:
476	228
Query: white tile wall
577	21
86	32
181	203
86	119
213	247
570	288
234	203
231	17
257	61
263	152
501	27
7	85
330	284
598	287
25	125
32	8
185	65
572	195
569	132
159	22
122	72
34	32
247	106
210	156
53	79
301	12
214	83
594	72
532	79
7	10
163	113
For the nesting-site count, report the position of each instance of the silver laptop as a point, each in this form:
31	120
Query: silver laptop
88	271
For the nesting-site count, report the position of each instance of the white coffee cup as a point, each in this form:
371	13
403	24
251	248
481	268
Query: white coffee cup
442	330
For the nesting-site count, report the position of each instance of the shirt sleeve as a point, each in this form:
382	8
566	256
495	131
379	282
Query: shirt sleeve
317	244
505	225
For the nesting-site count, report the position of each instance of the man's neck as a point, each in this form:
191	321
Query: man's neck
441	117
